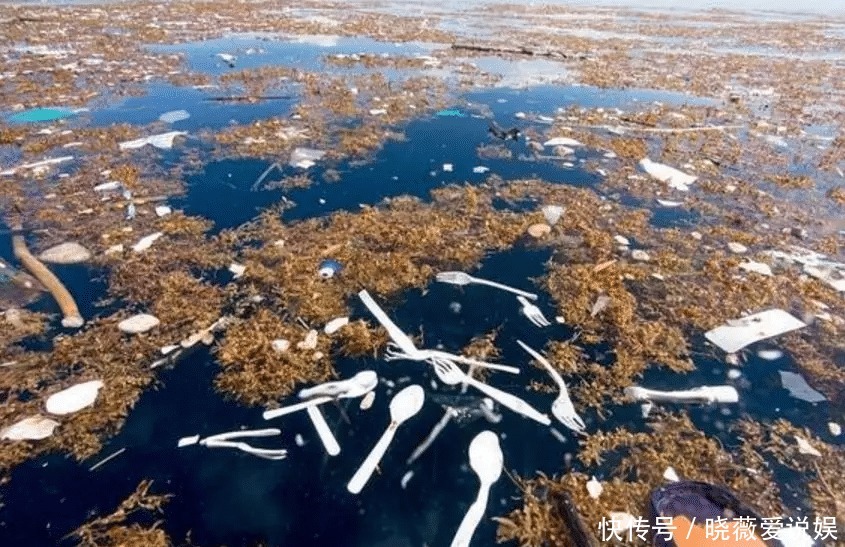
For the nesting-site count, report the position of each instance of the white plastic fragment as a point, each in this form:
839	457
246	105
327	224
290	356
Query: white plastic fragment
174	116
799	388
406	478
280	345
563	141
299	440
646	408
640	255
66	253
188	441
805	447
378	111
448	167
737	248
794	536
33	428
552	213
734	373
622	240
668	203
770	354
335	325
110	186
834	428
480	169
227	58
163	141
310	341
594	488
620	522
739	333
163	210
367	401
671	475
146	242
757	267
74	398
305	158
38	165
238	270
676	179
138	324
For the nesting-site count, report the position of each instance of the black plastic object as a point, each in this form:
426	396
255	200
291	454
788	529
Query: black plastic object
698	501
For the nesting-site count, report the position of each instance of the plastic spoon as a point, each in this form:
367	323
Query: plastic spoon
486	459
404	405
326	437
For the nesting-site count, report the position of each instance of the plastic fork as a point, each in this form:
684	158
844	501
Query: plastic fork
462	278
562	407
450	374
533	313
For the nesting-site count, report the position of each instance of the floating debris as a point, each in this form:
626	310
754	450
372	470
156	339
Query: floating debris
486	460
406	478
601	304
280	345
33	428
137	324
36	115
594	488
737	248
367	401
676	179
668	203
799	388
552	213
329	268
739	333
335	325
174	116
834	428
480	169
146	242
74	398
621	240
66	253
37	166
539	230
448	167
563	141
671	475
450	113
163	141
305	158
163	211
805	447
770	354
640	255
238	270
757	267
310	341
703	394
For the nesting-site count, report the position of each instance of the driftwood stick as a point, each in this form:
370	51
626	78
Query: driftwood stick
73	319
522	50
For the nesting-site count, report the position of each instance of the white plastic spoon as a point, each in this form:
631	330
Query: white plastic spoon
486	459
404	405
326	437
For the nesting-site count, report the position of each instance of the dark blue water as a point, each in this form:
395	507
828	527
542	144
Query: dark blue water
226	497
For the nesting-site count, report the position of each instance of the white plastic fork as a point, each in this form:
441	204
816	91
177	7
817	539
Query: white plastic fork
533	313
450	374
431	355
462	278
562	407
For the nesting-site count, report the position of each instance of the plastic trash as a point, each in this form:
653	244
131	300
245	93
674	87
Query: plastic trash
504	134
223	440
174	116
805	447
740	333
486	460
539	230
163	141
335	325
138	324
227	58
146	242
238	270
66	253
563	141
74	398
450	113
404	405
305	158
799	388
562	407
480	169
163	210
37	166
594	488
552	213
357	386
35	115
329	268
676	179
33	428
703	394
757	267
461	278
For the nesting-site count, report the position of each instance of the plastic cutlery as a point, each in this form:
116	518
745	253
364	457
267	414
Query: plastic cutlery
462	278
357	386
403	406
486	459
703	394
323	431
450	374
400	338
562	407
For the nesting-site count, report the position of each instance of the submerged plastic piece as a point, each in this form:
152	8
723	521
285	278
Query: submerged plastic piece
174	116
703	394
799	388
74	398
36	115
33	428
740	333
163	141
690	504
451	113
676	179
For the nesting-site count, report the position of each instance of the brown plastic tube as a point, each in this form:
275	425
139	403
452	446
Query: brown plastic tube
73	319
